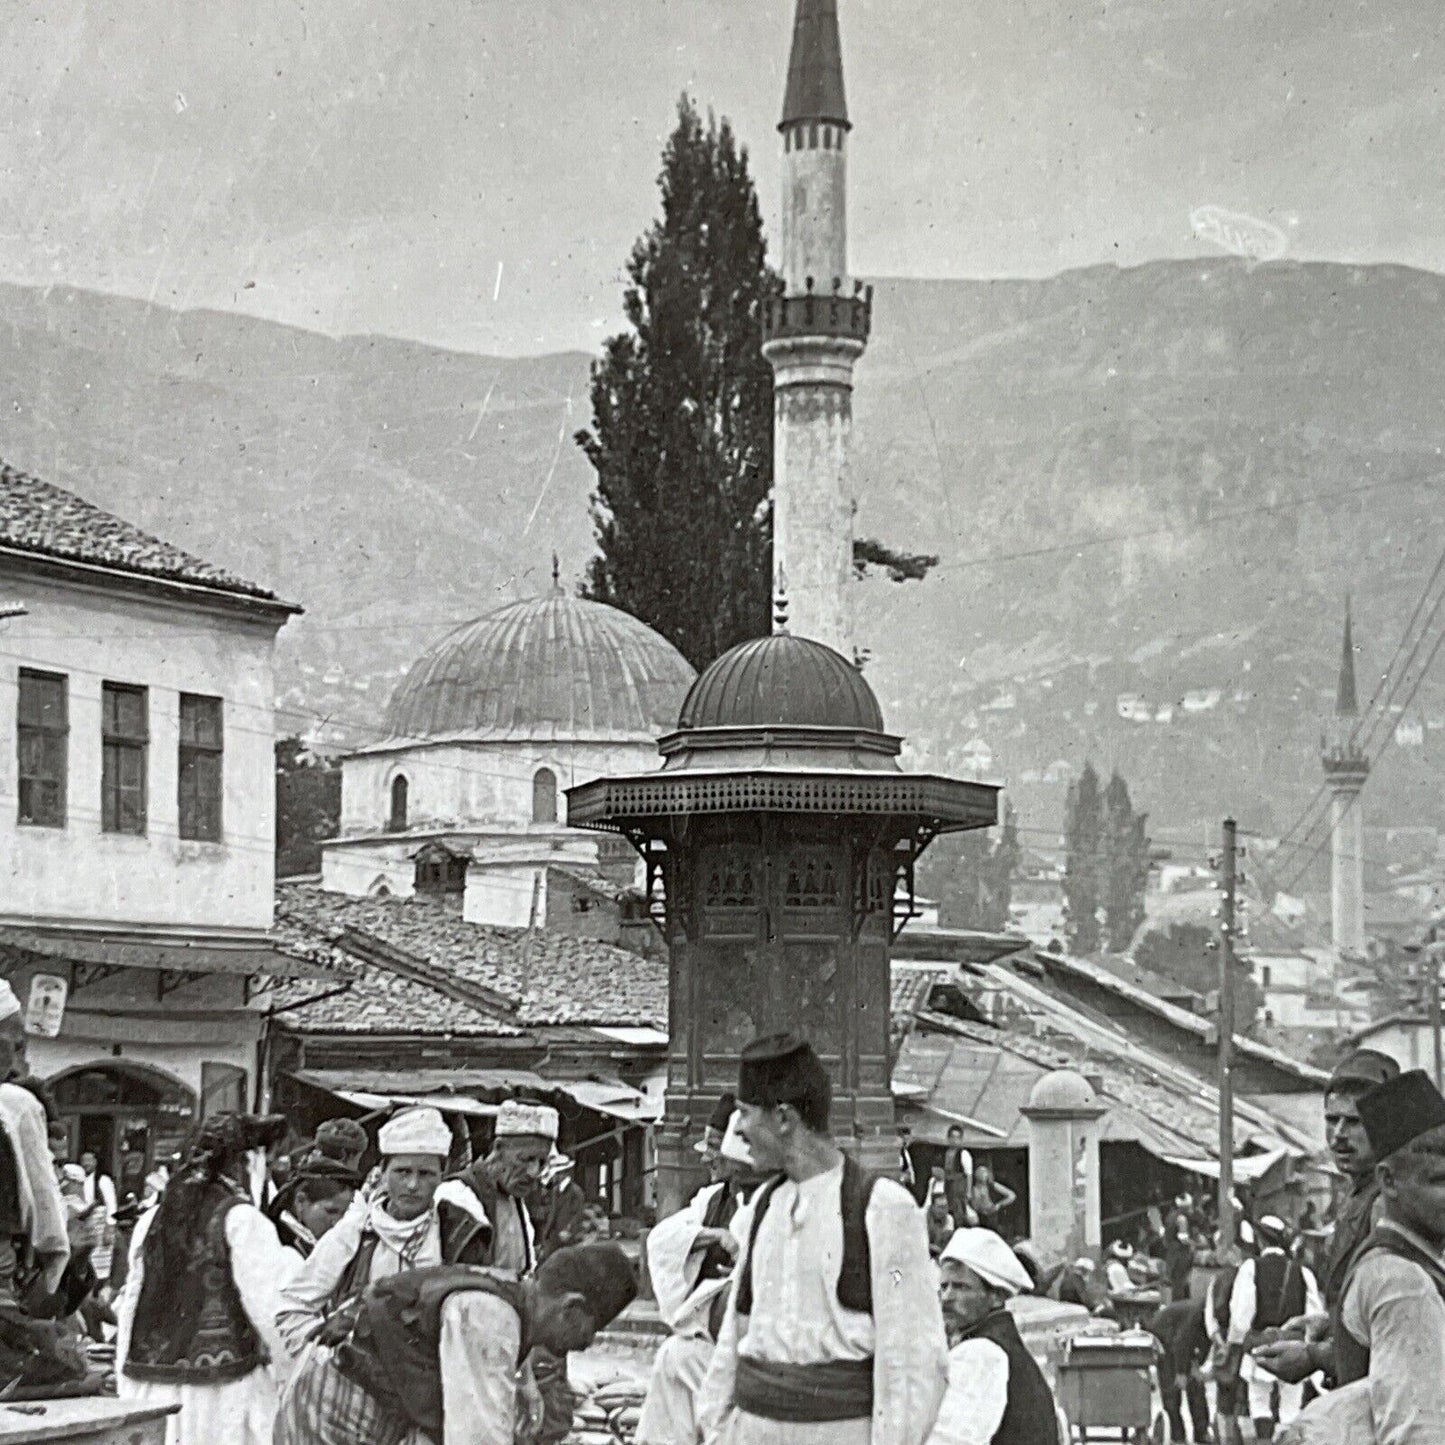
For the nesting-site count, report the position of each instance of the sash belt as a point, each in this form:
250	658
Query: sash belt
804	1394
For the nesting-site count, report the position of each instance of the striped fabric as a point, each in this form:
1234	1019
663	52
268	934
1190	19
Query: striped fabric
322	1407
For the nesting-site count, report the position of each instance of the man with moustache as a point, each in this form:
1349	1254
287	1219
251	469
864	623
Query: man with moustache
833	1333
1307	1348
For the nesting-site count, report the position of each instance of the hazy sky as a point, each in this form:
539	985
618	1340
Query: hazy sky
475	171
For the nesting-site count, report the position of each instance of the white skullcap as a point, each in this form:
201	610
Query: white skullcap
1122	1249
9	1003
73	1174
986	1254
516	1119
415	1131
733	1145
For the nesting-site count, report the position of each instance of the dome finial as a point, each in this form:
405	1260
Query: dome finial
780	603
556	575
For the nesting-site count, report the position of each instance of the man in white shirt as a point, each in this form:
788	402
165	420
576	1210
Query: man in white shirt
99	1188
997	1395
394	1224
833	1333
690	1259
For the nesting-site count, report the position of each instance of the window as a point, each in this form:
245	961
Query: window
1264	975
124	739
544	796
42	733
200	782
399	791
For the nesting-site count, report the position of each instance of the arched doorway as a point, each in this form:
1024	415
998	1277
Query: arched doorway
130	1116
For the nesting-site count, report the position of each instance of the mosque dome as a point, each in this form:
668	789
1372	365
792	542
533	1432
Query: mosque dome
781	681
558	668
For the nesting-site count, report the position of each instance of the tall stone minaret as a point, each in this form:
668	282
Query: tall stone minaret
1346	768
813	333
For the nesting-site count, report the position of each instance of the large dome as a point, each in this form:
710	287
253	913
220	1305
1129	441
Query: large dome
553	667
781	681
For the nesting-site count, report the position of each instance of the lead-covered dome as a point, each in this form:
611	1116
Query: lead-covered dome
781	681
555	667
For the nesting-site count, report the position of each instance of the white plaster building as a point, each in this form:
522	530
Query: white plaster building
487	729
137	828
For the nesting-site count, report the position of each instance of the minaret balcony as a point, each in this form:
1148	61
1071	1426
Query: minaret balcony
819	314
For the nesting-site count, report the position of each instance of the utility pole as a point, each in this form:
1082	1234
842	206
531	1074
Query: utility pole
1228	912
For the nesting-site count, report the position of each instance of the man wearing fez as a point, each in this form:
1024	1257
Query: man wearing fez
433	1354
690	1259
1306	1348
833	1332
1390	1323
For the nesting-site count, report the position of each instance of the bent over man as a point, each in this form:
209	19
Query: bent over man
434	1352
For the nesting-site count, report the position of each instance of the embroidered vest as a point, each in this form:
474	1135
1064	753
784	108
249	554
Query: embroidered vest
387	1341
855	1276
1030	1417
193	1330
465	1240
1352	1358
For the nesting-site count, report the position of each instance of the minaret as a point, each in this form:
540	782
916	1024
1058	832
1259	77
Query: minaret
814	331
1346	768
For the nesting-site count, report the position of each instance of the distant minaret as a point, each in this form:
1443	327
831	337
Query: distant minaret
813	333
1346	769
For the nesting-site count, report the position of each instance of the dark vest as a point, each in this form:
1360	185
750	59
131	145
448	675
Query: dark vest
465	1240
387	1341
11	1222
1030	1417
718	1215
1354	1221
493	1199
1279	1290
193	1330
855	1276
1352	1359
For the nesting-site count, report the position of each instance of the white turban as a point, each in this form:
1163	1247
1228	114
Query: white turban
986	1254
415	1131
733	1145
516	1119
9	1003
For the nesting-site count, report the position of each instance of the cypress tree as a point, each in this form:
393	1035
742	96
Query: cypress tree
1083	857
682	409
1125	865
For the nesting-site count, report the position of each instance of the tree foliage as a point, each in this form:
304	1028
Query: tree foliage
1083	856
1125	866
682	409
976	888
1188	953
308	807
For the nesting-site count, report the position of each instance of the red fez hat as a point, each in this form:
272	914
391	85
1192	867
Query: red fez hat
780	1069
1400	1110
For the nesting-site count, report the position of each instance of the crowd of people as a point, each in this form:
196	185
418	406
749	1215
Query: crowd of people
268	1291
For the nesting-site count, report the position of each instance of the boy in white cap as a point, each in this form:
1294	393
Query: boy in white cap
31	1209
394	1223
690	1259
997	1395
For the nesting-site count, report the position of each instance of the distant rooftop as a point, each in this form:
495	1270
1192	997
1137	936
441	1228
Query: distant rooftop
48	521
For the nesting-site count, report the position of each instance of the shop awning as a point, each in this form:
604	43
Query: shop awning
478	1091
115	949
1248	1168
617	1100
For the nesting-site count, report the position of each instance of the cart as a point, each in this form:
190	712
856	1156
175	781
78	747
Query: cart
1106	1386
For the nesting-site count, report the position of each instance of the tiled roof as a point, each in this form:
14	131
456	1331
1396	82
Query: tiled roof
39	517
551	978
376	1001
